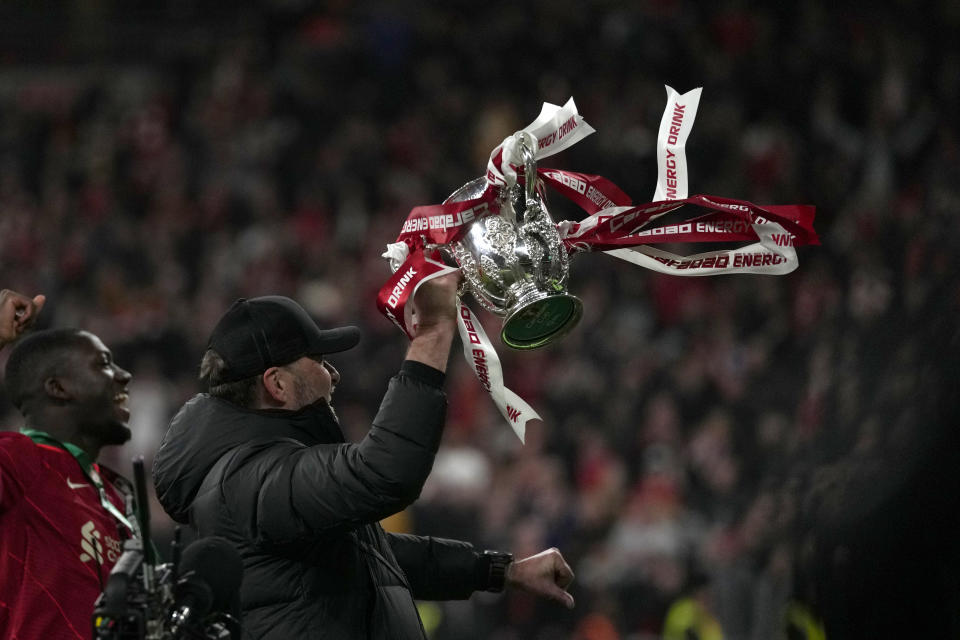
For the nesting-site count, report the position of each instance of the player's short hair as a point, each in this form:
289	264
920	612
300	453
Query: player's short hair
242	393
35	358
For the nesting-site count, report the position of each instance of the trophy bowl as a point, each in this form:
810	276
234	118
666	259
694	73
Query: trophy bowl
515	265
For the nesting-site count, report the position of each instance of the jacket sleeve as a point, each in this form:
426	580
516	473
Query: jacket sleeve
438	569
309	492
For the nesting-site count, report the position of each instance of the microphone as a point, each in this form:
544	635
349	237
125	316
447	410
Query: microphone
210	575
114	601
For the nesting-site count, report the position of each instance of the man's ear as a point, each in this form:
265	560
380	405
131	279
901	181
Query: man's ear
55	389
275	384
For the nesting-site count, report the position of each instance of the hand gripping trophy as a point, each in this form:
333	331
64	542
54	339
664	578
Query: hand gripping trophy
515	259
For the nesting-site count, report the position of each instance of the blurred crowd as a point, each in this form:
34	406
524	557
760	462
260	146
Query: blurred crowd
728	452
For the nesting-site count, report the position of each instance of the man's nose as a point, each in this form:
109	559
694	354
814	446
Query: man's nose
121	375
334	374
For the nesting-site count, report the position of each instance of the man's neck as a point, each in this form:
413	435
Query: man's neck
67	434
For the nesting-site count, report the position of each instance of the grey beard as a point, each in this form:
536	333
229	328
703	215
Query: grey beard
306	395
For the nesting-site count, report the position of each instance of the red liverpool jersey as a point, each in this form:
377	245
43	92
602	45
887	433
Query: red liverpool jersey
57	542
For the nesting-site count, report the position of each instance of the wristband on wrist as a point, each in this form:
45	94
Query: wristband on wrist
494	566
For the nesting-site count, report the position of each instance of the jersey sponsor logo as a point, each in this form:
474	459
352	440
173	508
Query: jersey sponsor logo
92	544
78	485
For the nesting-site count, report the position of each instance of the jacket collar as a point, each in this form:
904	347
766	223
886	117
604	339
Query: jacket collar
313	424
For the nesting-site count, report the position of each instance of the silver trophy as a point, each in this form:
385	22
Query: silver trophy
515	264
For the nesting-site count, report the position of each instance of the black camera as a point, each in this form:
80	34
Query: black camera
194	596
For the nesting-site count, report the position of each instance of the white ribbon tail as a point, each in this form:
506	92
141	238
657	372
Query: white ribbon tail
558	128
516	411
675	126
555	129
483	359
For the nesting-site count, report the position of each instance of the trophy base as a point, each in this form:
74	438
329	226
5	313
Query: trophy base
541	321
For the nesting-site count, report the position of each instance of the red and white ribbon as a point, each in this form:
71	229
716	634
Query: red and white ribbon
627	233
402	286
483	359
591	193
555	129
614	225
774	230
766	256
412	269
675	126
434	224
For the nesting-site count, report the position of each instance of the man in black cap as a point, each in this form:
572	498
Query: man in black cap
261	461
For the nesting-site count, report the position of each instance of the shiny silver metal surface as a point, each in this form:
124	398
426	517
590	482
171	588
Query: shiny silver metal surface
515	265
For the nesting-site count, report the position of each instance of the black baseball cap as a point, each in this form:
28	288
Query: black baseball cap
270	331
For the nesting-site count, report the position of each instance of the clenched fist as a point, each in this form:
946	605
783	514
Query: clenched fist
17	314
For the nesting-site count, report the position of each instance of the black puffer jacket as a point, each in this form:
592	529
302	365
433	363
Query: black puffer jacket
302	508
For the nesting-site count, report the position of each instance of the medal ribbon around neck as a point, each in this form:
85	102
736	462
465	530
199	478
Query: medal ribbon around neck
88	468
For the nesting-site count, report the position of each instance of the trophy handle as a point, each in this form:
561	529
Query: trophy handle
525	143
529	164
